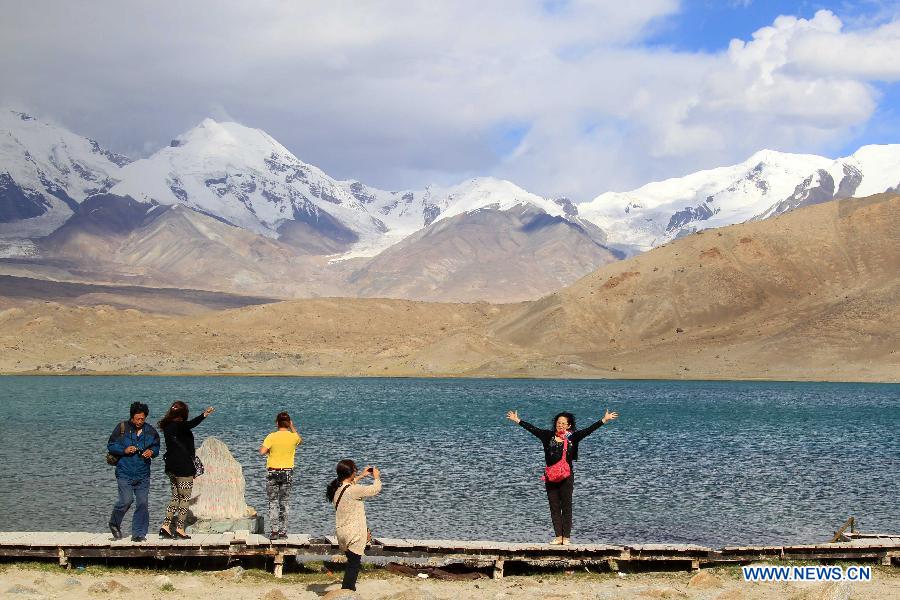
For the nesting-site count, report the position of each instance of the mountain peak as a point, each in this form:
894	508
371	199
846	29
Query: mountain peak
768	183
877	151
212	138
47	171
768	156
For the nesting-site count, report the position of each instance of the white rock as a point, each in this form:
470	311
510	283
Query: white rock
218	494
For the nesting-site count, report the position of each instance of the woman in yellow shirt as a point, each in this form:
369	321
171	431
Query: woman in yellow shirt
280	447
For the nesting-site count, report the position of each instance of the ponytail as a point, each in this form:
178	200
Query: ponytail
331	490
345	469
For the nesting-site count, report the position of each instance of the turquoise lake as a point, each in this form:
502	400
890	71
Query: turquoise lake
712	463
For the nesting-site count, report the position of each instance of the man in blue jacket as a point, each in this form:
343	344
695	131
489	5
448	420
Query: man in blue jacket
136	443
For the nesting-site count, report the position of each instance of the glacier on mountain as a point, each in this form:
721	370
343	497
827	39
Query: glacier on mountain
767	184
45	171
246	178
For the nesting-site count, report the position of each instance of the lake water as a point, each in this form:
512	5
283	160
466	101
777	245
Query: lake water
687	462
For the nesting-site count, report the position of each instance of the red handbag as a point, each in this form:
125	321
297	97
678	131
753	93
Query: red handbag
560	470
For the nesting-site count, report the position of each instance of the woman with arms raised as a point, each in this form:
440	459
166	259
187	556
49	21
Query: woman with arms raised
560	449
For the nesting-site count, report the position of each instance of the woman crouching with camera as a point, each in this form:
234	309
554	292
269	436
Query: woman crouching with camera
346	494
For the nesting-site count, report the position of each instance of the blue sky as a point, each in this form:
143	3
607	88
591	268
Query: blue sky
562	97
709	25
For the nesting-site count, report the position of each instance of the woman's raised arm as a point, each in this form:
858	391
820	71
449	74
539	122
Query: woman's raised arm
583	433
542	434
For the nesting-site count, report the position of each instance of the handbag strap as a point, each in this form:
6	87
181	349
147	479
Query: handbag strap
341	495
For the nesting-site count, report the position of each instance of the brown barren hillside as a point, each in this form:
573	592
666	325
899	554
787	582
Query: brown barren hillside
314	337
813	294
498	256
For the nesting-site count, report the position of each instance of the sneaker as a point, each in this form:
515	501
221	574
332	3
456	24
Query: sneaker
138	538
566	542
274	535
557	541
117	533
282	535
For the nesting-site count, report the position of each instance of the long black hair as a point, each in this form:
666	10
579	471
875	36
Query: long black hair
346	468
177	412
568	416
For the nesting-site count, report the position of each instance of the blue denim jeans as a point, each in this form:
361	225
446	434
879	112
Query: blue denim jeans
133	490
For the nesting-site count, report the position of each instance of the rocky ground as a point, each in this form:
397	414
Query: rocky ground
34	580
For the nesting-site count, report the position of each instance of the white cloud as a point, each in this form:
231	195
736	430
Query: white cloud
401	94
869	54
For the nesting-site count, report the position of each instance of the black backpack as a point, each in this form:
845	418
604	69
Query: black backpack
112	459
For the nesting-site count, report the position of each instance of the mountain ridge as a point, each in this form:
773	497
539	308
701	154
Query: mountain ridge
361	220
748	301
767	184
345	238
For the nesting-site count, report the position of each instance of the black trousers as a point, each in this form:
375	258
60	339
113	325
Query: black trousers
560	497
354	561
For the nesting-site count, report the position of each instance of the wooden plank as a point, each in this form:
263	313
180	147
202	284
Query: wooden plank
199	539
161	542
396	543
498	569
240	537
98	540
57	538
840	532
35	539
298	539
874	542
482	552
216	540
18	538
8	538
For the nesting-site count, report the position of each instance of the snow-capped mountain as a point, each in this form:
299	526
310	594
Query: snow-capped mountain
244	176
45	171
408	212
238	174
767	184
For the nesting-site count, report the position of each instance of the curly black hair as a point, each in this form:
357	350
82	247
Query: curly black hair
567	415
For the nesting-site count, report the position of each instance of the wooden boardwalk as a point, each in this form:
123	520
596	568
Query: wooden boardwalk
64	546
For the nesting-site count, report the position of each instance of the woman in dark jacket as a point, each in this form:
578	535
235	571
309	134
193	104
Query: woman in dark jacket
179	460
559	494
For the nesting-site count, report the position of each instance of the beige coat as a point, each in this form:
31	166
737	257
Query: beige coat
350	517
